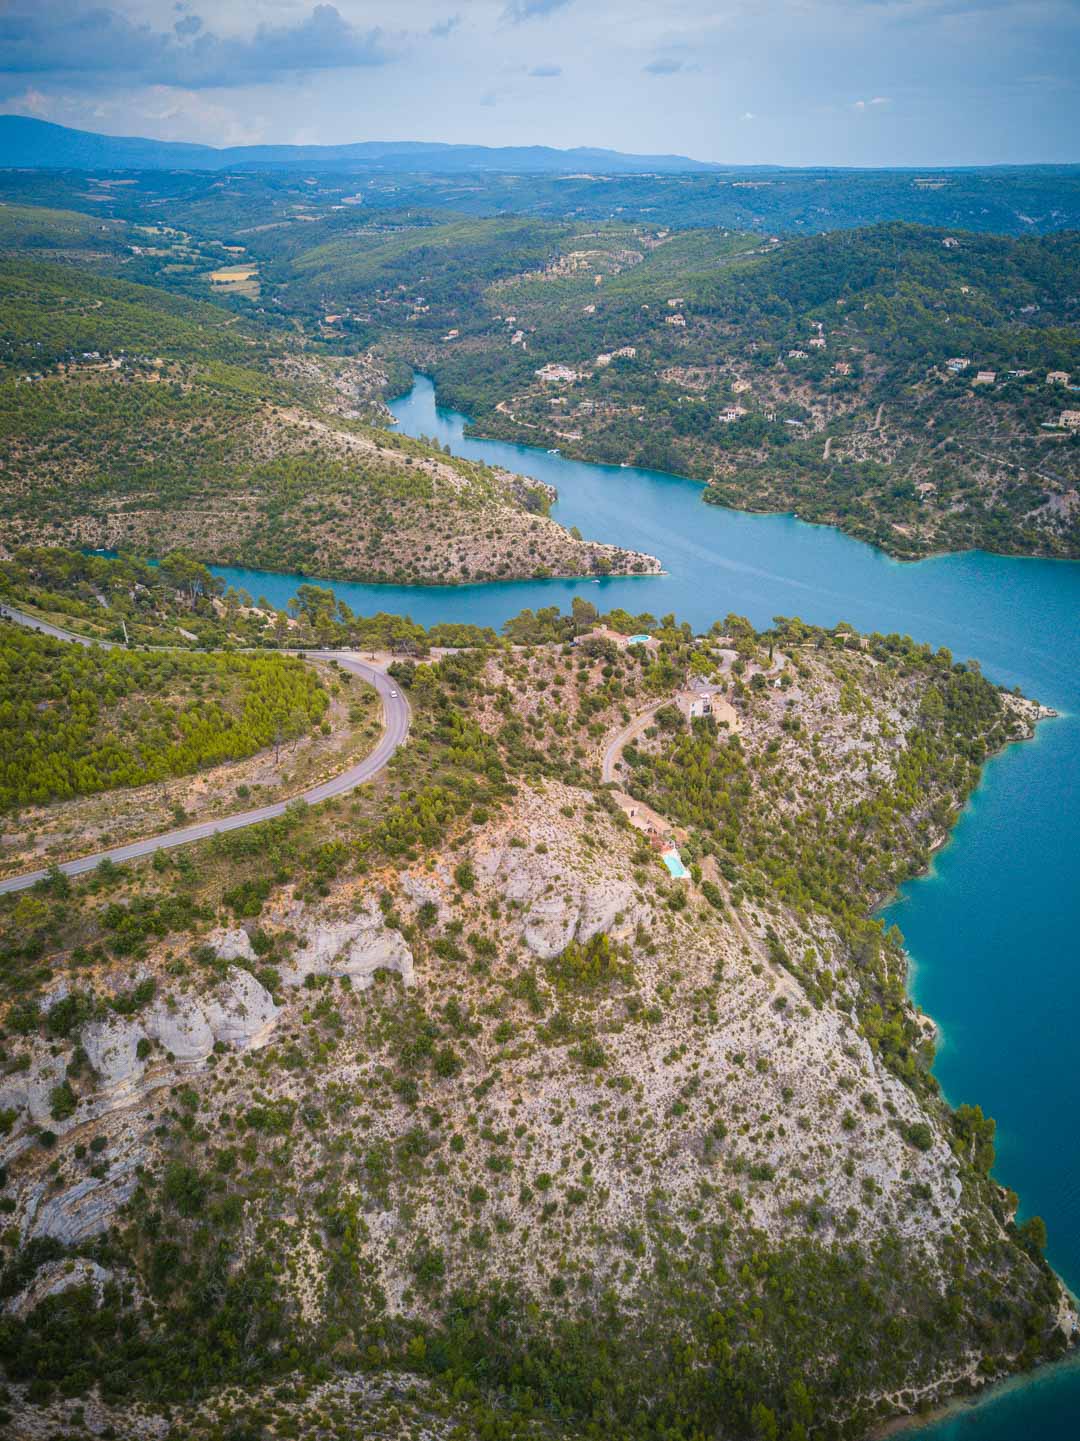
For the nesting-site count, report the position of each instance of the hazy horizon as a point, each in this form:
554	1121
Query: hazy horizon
851	83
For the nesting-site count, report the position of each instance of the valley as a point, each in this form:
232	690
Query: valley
452	862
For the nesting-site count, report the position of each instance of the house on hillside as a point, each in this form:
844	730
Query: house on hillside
554	371
1069	419
1057	377
616	637
696	699
957	364
985	377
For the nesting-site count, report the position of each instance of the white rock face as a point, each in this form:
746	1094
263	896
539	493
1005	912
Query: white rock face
232	945
550	925
241	1011
356	948
112	1047
180	1028
559	906
55	1277
422	888
87	1209
36	1090
600	905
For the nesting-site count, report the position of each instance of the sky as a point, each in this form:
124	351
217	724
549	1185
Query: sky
795	82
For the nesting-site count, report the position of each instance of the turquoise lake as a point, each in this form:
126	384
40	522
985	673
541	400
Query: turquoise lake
992	929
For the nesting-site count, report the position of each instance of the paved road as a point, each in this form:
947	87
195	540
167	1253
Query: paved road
32	623
396	715
613	753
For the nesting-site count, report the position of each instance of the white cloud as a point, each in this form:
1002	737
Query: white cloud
89	45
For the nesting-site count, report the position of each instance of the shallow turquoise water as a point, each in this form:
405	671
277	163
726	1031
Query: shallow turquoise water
991	929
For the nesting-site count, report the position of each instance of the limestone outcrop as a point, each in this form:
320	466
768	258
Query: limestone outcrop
54	1278
232	944
240	1012
31	1091
112	1046
356	948
557	905
85	1209
180	1027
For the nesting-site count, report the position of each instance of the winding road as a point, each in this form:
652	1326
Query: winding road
397	717
613	751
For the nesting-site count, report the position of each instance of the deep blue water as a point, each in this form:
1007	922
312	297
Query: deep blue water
991	929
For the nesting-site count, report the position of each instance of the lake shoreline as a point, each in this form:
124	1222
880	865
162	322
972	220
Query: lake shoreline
1020	621
475	430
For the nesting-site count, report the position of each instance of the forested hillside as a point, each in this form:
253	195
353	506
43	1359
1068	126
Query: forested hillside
448	1087
75	720
130	417
1015	200
913	386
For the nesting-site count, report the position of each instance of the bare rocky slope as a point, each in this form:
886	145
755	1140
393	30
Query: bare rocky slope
445	1111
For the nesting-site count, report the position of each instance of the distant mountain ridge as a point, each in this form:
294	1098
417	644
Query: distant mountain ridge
29	143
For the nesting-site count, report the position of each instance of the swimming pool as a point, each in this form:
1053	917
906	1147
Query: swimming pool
673	861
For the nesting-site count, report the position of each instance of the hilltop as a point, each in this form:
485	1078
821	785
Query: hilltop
446	1097
134	418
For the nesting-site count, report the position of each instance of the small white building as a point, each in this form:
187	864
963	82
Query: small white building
985	377
697	697
957	364
1057	377
555	371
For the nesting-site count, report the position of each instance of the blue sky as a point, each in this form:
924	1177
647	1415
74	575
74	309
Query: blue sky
801	82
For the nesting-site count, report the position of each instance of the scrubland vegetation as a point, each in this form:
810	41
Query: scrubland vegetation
132	418
588	1149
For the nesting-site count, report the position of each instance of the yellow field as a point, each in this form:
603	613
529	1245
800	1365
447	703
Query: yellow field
237	279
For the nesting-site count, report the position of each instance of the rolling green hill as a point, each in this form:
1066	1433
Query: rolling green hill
134	418
809	375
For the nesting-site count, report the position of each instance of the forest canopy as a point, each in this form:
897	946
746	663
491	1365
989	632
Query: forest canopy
75	719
